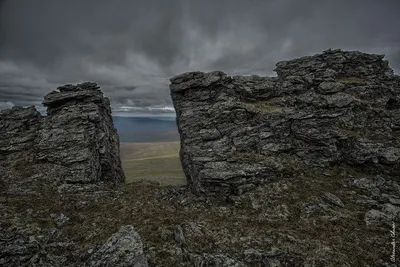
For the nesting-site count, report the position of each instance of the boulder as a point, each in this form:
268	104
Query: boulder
122	249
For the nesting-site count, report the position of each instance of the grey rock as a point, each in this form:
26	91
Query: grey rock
338	108
333	199
369	183
329	87
267	258
59	219
392	211
376	217
18	129
30	246
365	200
178	235
122	249
208	260
314	207
193	229
381	189
384	214
273	263
252	256
394	200
75	143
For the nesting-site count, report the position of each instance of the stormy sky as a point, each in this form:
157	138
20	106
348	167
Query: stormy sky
132	47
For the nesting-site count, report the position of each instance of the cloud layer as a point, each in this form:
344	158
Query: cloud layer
132	48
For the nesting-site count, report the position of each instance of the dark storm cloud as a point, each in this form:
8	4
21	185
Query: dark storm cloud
131	47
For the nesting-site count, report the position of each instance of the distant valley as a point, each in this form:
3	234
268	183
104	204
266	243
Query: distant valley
146	129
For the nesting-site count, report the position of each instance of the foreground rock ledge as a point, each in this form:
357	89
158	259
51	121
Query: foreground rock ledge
75	143
332	109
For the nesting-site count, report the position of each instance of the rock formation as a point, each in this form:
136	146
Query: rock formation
322	137
332	109
75	143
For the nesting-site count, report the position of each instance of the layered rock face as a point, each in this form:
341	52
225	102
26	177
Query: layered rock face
332	109
75	143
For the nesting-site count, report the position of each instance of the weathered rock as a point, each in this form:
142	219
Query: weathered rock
59	219
333	109
374	217
267	258
122	249
178	235
18	129
75	143
32	246
332	199
208	260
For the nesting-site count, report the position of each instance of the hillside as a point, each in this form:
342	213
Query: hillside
146	129
157	162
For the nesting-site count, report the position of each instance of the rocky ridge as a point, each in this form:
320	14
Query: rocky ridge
314	213
321	112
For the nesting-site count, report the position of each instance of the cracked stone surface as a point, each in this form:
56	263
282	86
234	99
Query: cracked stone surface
75	143
332	109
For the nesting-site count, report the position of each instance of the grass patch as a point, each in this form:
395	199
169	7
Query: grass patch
146	150
46	222
154	162
226	228
353	133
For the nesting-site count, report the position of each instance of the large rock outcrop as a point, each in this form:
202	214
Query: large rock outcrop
75	143
332	109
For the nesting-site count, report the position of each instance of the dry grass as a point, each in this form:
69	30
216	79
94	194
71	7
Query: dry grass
144	150
228	229
272	105
155	162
